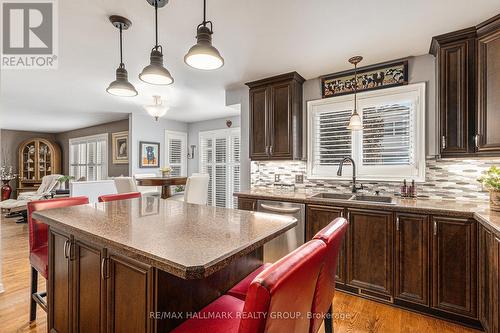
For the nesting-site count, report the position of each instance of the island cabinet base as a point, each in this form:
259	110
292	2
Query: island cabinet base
95	289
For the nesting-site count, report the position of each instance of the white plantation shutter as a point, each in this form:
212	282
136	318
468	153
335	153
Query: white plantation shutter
176	154
220	158
88	157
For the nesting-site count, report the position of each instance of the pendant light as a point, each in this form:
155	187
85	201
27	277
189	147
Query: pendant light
203	55
355	123
156	110
155	73
121	86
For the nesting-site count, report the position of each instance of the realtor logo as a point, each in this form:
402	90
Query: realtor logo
29	34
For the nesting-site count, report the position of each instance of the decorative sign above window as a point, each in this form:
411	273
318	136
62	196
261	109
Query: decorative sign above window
384	75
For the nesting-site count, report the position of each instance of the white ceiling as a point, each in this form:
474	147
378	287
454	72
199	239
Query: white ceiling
257	38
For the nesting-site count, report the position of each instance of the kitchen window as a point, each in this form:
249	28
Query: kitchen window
176	143
391	145
88	157
220	158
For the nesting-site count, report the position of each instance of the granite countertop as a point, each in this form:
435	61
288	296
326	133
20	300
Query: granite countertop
186	240
470	209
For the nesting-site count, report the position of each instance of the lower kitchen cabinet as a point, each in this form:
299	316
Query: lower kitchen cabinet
319	217
489	288
370	252
454	266
411	258
496	286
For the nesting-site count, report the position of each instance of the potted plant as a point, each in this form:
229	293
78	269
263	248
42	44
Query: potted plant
63	180
491	181
165	171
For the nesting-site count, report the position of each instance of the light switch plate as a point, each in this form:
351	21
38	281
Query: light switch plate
276	178
299	179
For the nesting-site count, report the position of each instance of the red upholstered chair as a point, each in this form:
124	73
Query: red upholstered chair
120	196
285	288
38	241
332	235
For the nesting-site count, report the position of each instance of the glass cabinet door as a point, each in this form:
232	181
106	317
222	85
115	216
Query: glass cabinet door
44	160
28	161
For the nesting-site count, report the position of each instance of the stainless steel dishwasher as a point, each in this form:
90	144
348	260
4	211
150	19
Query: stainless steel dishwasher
290	240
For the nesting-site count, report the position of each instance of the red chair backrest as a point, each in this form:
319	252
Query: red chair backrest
120	196
287	287
332	235
38	232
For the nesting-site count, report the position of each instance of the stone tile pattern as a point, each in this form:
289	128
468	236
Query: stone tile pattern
445	179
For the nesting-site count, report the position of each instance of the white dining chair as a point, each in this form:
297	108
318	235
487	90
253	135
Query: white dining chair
125	185
149	190
196	190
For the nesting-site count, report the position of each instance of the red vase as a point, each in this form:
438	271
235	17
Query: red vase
6	190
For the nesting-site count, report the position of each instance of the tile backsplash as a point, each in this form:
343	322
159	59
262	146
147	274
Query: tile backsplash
445	178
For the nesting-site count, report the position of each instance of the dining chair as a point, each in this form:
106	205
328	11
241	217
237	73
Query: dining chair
120	196
285	287
149	190
38	246
196	190
125	185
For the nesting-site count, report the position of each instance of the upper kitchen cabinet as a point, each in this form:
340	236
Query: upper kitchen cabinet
276	117
468	98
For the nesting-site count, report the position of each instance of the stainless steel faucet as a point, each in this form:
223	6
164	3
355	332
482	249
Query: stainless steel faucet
339	173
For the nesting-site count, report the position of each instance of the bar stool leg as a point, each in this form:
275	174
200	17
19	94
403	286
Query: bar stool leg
329	320
34	287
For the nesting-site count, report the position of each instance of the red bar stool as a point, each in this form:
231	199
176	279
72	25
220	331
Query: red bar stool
38	241
120	196
287	287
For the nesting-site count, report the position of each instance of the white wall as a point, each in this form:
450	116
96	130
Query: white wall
145	128
194	130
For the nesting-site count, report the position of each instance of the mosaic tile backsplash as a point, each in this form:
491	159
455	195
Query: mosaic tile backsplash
445	179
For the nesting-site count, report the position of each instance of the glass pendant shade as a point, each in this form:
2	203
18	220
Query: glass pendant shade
155	73
156	110
121	87
203	55
355	123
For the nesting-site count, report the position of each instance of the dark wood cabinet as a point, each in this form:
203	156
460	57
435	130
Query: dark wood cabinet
276	117
486	245
411	260
247	204
370	252
454	265
495	292
468	80
319	217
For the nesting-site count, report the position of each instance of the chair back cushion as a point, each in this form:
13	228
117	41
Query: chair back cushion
38	232
121	196
48	184
284	292
125	185
332	235
196	191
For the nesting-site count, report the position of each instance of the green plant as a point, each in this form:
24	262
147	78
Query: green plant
491	179
179	188
64	179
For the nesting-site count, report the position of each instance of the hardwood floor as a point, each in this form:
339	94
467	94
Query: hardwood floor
353	314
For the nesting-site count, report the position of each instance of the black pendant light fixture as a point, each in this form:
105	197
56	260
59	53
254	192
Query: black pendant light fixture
121	86
203	55
155	73
355	123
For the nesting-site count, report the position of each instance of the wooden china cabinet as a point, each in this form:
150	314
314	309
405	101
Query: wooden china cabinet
37	158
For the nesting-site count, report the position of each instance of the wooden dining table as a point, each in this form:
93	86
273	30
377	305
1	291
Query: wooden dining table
164	182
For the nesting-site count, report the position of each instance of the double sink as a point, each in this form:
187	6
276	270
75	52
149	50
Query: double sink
354	197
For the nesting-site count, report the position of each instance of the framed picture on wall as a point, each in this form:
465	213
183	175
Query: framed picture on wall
149	154
120	147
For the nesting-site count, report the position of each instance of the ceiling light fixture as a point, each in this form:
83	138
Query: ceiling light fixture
203	55
355	123
121	86
156	110
155	73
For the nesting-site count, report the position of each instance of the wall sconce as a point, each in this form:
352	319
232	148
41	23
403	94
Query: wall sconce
191	155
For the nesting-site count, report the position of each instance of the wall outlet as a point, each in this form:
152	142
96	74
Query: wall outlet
276	178
299	179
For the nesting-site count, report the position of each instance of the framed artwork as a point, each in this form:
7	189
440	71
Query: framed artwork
384	75
120	147
149	154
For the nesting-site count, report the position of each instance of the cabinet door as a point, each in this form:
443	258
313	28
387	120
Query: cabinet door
88	289
59	286
369	252
485	278
129	295
259	126
454	97
495	301
412	258
488	93
281	121
246	204
454	265
319	217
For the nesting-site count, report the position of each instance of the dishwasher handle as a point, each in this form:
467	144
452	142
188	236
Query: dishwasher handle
280	209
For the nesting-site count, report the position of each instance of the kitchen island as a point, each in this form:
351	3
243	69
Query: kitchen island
143	265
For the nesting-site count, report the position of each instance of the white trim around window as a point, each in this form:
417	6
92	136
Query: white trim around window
176	152
389	148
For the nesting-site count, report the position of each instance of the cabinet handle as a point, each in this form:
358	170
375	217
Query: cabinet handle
270	150
103	269
397	223
349	216
254	204
435	227
65	249
267	150
341	213
443	142
476	140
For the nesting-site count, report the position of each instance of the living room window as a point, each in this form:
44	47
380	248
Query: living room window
391	145
88	157
176	143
